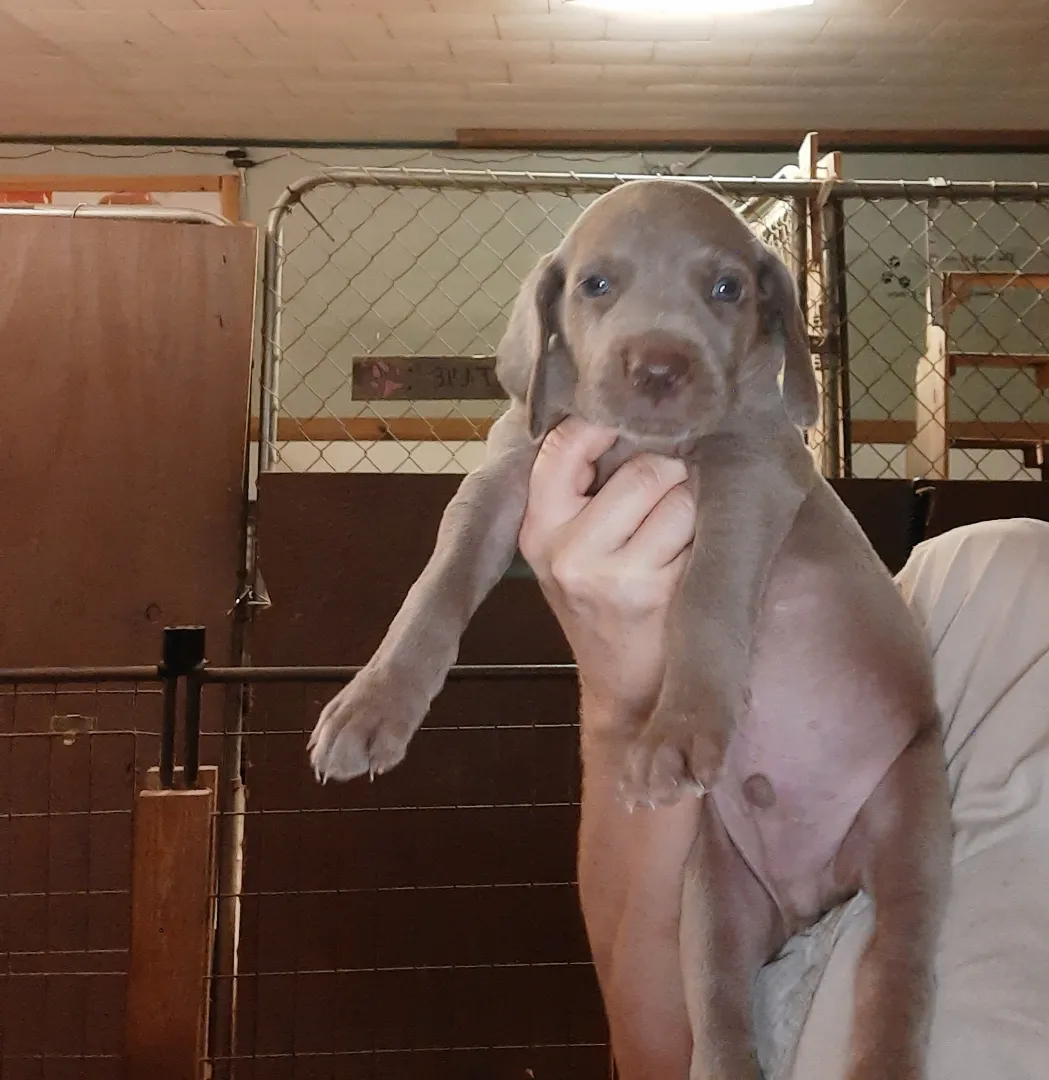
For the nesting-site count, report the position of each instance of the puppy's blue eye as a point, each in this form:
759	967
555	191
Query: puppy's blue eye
727	289
595	285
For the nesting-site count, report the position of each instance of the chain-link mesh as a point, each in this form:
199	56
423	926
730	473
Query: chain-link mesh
371	269
962	266
407	268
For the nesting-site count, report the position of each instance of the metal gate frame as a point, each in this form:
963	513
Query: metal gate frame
814	247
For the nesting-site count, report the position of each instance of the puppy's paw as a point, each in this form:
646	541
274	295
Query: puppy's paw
673	757
365	728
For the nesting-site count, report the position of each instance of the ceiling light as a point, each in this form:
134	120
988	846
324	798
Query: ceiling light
685	8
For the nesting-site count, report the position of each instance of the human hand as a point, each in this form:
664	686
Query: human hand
608	564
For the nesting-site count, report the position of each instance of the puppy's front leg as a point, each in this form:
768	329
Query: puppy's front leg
749	493
366	727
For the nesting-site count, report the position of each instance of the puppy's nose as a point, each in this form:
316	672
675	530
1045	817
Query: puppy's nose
657	370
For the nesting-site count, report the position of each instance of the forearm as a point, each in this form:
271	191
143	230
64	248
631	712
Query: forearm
630	879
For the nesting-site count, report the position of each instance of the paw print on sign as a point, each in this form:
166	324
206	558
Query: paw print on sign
383	385
897	283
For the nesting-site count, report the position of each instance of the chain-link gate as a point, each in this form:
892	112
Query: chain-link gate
387	291
368	270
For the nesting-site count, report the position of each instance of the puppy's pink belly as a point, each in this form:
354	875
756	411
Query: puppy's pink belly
827	720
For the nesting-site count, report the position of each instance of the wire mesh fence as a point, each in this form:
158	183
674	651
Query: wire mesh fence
73	756
387	292
949	334
426	926
368	270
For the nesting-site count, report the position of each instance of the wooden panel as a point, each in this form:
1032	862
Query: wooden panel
338	553
885	510
433	911
171	889
962	502
66	182
123	407
124	361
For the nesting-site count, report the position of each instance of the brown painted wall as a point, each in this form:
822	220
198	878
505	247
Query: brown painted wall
388	927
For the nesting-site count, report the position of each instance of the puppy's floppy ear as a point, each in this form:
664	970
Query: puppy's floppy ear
782	318
533	362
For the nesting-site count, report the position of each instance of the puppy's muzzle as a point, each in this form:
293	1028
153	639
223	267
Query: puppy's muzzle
659	366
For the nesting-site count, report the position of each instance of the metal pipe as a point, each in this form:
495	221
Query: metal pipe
249	674
183	656
123	213
831	358
271	303
305	674
839	275
191	729
483	180
167	732
51	675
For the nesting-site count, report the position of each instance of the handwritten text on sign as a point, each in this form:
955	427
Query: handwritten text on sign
425	378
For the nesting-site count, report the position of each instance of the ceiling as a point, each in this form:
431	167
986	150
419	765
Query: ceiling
419	70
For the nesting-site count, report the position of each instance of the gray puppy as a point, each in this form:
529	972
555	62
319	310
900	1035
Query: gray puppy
797	689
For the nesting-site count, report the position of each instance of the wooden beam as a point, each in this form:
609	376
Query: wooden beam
322	429
229	197
959	284
901	432
457	429
1039	362
111	183
952	141
171	890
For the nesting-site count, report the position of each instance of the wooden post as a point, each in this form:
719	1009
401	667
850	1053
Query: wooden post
825	434
171	921
928	453
229	196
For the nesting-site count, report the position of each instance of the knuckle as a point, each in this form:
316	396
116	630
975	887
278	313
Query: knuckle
680	505
656	473
569	574
646	472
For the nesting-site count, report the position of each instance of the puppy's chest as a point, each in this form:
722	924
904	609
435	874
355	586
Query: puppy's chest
826	722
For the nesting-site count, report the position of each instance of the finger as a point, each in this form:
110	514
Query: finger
667	531
632	492
563	471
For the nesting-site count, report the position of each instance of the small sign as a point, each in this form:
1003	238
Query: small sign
425	378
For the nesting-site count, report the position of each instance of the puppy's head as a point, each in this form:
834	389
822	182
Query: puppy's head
658	315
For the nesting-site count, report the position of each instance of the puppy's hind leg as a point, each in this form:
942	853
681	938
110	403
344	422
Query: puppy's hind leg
729	928
366	727
899	849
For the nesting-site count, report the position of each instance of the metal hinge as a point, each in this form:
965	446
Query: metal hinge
251	596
